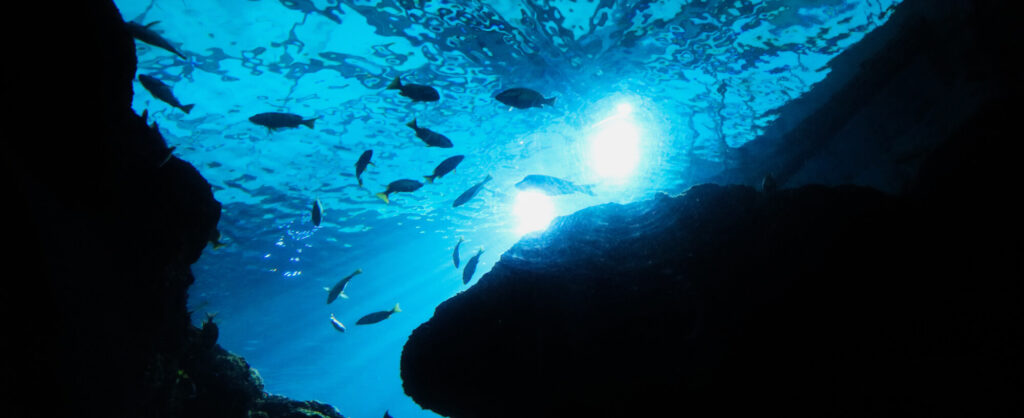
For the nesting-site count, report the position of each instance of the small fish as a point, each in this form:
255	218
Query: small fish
215	239
147	35
455	254
523	98
163	92
316	212
337	324
416	92
277	120
431	138
404	185
468	194
552	186
339	288
364	159
467	273
446	166
387	415
377	316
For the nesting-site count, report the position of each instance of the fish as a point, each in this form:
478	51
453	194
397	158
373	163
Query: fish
468	194
316	212
147	35
552	186
364	159
387	415
467	272
377	316
337	324
416	92
446	166
523	98
163	92
431	138
455	254
277	120
404	185
339	288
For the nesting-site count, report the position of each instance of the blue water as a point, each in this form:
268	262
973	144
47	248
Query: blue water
650	95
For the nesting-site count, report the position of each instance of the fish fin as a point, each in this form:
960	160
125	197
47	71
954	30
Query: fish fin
412	124
371	163
343	295
396	309
395	84
550	102
360	181
588	189
219	245
309	122
152	23
430	179
489	178
187	108
327	289
358	271
145	115
384	196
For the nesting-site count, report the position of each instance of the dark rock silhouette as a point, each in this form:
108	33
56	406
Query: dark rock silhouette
104	228
809	301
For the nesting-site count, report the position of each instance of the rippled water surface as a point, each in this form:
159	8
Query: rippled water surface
648	95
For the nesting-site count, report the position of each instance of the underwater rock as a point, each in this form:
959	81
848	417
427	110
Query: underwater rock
814	301
108	226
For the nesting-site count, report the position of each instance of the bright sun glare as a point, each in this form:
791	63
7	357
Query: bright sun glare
615	145
533	210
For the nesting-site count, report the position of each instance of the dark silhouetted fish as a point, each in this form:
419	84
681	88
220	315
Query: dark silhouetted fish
445	167
377	316
467	273
163	92
337	324
416	92
316	212
277	120
147	35
431	138
404	185
552	186
455	254
339	288
386	414
523	98
364	159
468	194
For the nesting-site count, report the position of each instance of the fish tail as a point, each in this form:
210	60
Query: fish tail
488	178
395	84
412	124
384	196
360	181
396	309
550	102
430	179
588	189
187	108
309	122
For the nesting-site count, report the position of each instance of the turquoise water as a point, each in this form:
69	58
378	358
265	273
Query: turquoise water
650	95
